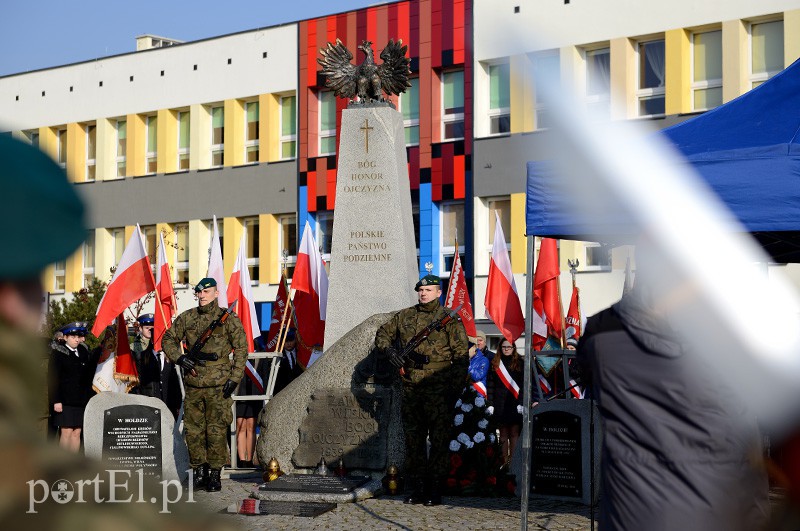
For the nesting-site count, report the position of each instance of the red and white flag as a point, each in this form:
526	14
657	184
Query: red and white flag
573	319
546	298
310	283
240	290
278	312
216	267
544	384
132	280
502	301
457	294
165	297
116	371
507	380
251	373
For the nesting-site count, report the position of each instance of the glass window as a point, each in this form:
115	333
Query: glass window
452	224
287	245
453	105
62	147
217	136
766	51
32	137
251	132
499	99
707	74
251	226
652	78
59	276
501	207
88	259
409	106
325	234
546	69
91	151
184	137
598	82
122	144
288	127
182	253
151	158
327	123
597	256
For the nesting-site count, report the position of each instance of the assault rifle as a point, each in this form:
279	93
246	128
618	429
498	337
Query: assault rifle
407	357
195	353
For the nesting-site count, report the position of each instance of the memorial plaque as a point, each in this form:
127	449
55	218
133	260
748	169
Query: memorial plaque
315	483
347	424
132	438
557	458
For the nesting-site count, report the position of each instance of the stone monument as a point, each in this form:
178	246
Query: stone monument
135	432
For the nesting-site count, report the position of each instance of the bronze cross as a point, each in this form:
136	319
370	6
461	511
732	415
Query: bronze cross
366	128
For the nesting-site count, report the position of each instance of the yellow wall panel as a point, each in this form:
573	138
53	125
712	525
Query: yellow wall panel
234	132
232	230
48	279
623	78
170	239
269	134
74	271
48	141
76	152
199	240
522	96
103	254
136	145
678	72
269	257
128	231
791	36
519	247
167	141
735	56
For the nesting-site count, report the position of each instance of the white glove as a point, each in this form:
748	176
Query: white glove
519	409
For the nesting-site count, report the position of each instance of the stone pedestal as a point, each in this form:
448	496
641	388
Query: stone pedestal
373	257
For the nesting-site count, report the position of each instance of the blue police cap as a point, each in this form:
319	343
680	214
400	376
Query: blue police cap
78	328
146	319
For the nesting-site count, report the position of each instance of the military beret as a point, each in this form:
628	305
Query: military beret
205	283
78	328
146	319
46	210
428	280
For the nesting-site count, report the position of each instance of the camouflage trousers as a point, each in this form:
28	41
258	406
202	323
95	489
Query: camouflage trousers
206	418
427	412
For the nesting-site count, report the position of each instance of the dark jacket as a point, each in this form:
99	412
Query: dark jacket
679	447
155	381
70	375
504	403
287	372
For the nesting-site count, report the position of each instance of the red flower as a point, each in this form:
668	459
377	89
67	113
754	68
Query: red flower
491	480
451	482
455	460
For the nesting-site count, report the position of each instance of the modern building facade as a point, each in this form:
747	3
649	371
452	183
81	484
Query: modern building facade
242	127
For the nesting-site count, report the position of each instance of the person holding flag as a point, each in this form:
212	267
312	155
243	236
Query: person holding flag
209	377
505	396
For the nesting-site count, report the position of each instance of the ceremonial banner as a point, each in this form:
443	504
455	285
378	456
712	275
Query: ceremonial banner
457	294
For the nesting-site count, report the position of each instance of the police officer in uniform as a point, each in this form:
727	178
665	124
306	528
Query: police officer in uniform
210	379
157	375
429	387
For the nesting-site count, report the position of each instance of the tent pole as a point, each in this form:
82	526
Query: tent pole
525	486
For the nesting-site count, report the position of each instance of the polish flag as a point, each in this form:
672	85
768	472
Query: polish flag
278	311
116	371
457	294
165	297
310	283
132	280
546	293
242	291
502	301
216	267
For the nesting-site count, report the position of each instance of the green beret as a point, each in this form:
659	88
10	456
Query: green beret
205	283
428	280
45	221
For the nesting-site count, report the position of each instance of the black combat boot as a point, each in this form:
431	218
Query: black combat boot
200	476
418	493
434	495
214	481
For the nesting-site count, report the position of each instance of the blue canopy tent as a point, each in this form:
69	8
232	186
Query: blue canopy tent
748	152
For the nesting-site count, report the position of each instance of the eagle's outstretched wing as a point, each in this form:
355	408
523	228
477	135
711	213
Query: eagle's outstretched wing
340	73
395	69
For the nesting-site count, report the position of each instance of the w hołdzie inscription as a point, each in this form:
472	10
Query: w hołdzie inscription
132	438
556	464
351	425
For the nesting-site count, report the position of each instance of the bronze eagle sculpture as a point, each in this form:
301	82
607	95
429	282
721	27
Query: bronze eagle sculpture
367	81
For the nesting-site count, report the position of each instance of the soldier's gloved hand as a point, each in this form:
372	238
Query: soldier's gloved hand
186	363
227	389
395	358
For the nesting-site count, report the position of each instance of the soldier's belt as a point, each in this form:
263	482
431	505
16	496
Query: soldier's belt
434	365
206	356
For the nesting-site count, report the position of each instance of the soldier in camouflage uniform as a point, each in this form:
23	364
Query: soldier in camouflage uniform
209	382
428	388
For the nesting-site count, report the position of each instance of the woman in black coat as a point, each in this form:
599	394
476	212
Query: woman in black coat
71	371
507	406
